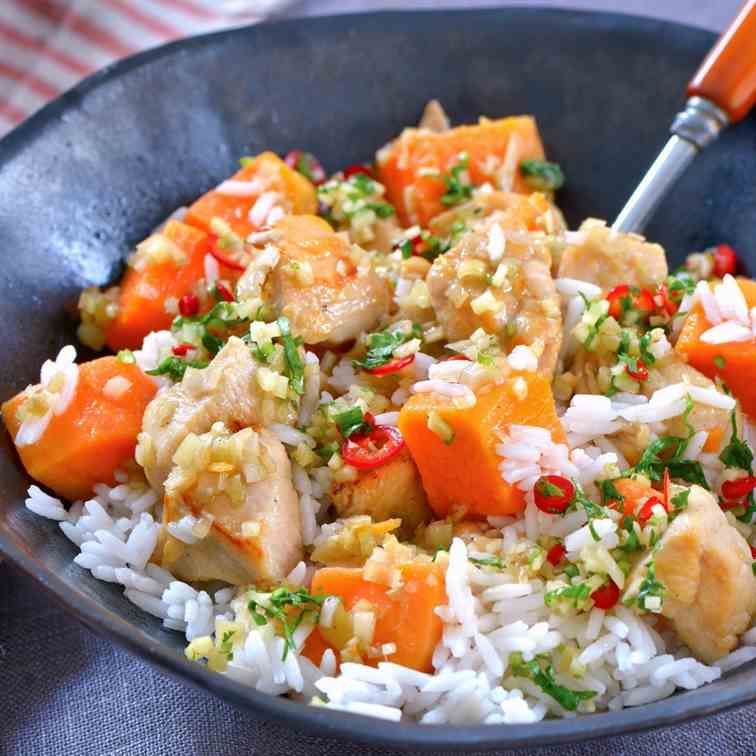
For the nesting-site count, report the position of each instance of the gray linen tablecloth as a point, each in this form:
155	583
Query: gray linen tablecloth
66	692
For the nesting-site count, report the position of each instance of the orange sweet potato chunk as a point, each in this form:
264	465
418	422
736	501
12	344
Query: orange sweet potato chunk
462	477
404	165
733	362
273	175
142	295
405	617
95	434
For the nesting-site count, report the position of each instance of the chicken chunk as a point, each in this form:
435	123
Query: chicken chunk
390	491
608	258
498	278
533	212
226	391
704	565
326	286
234	494
434	118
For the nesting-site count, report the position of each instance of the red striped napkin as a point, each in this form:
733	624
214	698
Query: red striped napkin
46	46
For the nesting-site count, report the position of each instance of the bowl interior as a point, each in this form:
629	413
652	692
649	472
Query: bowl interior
90	175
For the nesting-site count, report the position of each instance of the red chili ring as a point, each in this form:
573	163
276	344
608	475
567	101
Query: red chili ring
738	488
394	366
189	305
555	554
223	260
606	596
549	502
366	452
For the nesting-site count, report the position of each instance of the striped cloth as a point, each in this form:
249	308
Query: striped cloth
46	46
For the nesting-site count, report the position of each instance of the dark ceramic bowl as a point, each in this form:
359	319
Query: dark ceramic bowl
88	177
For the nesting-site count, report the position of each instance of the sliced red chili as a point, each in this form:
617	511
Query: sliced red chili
356	168
555	554
371	450
753	552
725	260
553	493
181	349
625	297
640	373
667	480
224	259
667	302
393	366
306	164
454	357
738	488
189	305
646	511
224	292
606	596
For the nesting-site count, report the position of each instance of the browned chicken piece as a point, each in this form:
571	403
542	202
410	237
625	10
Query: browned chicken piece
709	587
434	118
392	490
533	211
238	489
607	258
326	286
226	391
498	278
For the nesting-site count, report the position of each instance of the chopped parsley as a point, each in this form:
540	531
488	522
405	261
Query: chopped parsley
351	421
381	346
545	680
542	175
294	366
456	182
175	367
278	605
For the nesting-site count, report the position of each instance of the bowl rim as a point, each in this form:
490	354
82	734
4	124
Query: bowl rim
313	720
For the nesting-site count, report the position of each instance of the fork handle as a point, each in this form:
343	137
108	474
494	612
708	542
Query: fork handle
727	77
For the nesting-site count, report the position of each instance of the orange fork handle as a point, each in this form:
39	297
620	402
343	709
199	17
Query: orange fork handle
727	76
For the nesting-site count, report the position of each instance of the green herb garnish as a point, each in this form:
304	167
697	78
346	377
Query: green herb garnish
294	366
542	175
737	453
649	587
351	421
491	561
281	600
545	680
456	182
175	367
570	593
381	346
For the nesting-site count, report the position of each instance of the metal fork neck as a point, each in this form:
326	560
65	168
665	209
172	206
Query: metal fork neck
700	122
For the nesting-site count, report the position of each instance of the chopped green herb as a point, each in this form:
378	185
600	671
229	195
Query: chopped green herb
649	587
351	421
327	450
594	511
381	346
609	492
652	464
126	356
571	570
720	362
545	680
737	453
294	365
679	501
491	561
281	600
458	188
175	367
406	247
226	644
632	542
570	593
542	175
